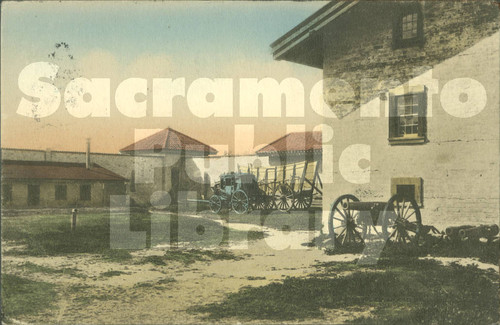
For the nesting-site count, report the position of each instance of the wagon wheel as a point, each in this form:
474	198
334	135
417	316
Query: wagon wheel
215	203
262	201
240	202
402	222
303	200
284	197
342	222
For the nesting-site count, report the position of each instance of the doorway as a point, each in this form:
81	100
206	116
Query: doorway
33	195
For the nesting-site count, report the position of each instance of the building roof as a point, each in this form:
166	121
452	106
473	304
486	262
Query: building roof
294	142
169	139
17	169
301	43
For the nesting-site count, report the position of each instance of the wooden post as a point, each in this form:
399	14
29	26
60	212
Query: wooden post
303	177
74	213
293	177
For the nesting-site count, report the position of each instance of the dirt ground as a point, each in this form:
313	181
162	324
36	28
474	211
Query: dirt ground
125	299
161	294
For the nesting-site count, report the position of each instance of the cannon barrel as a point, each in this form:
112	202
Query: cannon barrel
453	231
365	206
482	231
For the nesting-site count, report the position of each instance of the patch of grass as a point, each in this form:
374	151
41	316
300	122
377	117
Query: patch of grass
25	297
87	299
166	281
189	256
156	285
252	278
144	285
51	235
484	252
155	260
193	255
111	273
77	288
338	267
117	255
402	291
255	235
35	268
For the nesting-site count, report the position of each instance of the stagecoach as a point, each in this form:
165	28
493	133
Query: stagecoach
237	191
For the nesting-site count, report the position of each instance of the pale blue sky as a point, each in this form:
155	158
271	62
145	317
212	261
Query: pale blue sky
127	29
143	39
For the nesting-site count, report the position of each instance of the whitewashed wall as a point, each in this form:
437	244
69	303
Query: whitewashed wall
459	164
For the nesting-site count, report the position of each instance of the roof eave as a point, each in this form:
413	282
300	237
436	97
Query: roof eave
283	47
275	153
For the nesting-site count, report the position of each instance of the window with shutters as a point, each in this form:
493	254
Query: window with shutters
407	118
408	27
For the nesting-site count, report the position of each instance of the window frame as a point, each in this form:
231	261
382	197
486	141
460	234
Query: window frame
56	196
398	41
414	138
416	182
86	197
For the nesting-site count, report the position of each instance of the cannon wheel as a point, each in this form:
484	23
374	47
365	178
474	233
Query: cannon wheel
342	222
303	200
402	222
284	197
215	203
240	202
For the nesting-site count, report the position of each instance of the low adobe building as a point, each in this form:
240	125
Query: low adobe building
47	184
165	162
177	171
294	147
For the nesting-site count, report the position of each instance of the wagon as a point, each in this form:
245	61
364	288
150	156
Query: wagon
236	191
397	220
287	187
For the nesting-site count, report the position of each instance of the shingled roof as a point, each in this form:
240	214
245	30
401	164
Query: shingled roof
294	142
16	169
169	139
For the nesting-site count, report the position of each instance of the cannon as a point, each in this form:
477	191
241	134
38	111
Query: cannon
397	220
469	232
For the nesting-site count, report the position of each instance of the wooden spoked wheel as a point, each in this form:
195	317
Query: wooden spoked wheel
262	201
342	224
284	197
215	203
240	202
303	200
402	222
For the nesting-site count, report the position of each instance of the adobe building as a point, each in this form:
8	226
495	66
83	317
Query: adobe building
414	90
293	147
45	184
165	162
177	171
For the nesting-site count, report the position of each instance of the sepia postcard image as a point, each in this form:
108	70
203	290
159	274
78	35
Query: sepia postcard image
250	162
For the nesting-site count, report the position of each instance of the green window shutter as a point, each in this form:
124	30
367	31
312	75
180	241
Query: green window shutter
422	114
393	118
